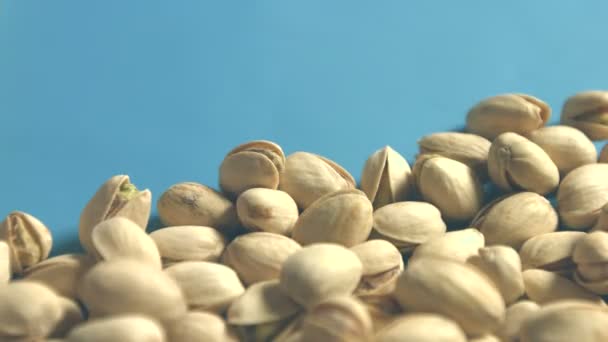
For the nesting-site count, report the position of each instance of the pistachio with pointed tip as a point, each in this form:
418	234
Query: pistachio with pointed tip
5	263
62	273
503	266
588	111
267	210
421	327
582	194
515	315
545	287
338	319
603	157
124	328
188	243
307	177
198	326
116	197
591	258
29	240
382	264
408	224
256	164
517	113
513	219
71	316
458	245
551	252
386	177
453	187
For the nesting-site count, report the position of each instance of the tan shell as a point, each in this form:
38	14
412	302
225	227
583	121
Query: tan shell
198	326
602	220
382	309
206	285
263	302
320	271
591	258
588	112
422	327
259	256
516	314
453	187
188	243
408	224
123	328
29	240
344	217
129	286
71	316
582	194
485	338
568	147
550	251
458	245
307	177
5	263
339	319
603	158
386	177
457	290
517	113
544	287
62	273
513	219
116	197
382	264
516	163
502	265
267	210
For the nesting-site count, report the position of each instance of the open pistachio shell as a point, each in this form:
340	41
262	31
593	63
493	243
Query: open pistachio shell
588	111
62	273
386	177
582	194
382	264
123	328
551	251
263	302
544	287
188	243
29	240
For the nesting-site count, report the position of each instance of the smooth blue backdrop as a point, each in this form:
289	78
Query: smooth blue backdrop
161	90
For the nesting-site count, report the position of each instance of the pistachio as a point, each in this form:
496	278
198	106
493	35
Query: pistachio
267	210
198	326
603	158
513	219
338	319
382	264
116	197
422	327
383	310
386	177
408	224
544	287
71	316
568	147
307	177
582	194
267	331
502	265
129	286
602	220
344	217
453	187
516	314
591	258
188	243
291	332
319	272
123	328
458	245
29	240
5	263
206	285
485	338
516	163
62	273
588	111
457	290
517	113
258	256
263	302
550	252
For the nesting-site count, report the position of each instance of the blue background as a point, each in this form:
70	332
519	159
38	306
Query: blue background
161	90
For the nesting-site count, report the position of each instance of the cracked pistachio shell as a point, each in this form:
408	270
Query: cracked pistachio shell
591	258
383	310
502	265
259	256
123	328
198	326
516	163
188	243
263	302
28	309
517	113
71	316
129	286
602	220
307	177
513	219
453	187
386	177
516	314
408	224
550	251
582	194
319	272
587	111
344	217
267	210
338	319
119	238
454	289
544	287
116	197
62	273
568	147
603	157
5	263
206	286
29	240
382	264
458	245
193	204
256	164
422	327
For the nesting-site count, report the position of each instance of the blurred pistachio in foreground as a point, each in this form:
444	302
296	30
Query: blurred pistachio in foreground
198	326
339	319
421	327
188	243
123	328
62	273
503	266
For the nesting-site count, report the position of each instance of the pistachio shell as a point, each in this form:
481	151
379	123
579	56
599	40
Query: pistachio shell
502	265
516	314
386	177
320	271
71	316
62	273
582	194
29	240
382	309
485	338
344	217
200	326
338	319
123	328
513	219
267	210
422	327
550	251
603	158
382	264
457	290
408	224
5	263
453	187
458	245
517	113
588	112
116	197
188	243
307	177
591	258
263	302
544	287
602	220
265	331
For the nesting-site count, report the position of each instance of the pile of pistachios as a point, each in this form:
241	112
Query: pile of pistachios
464	245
